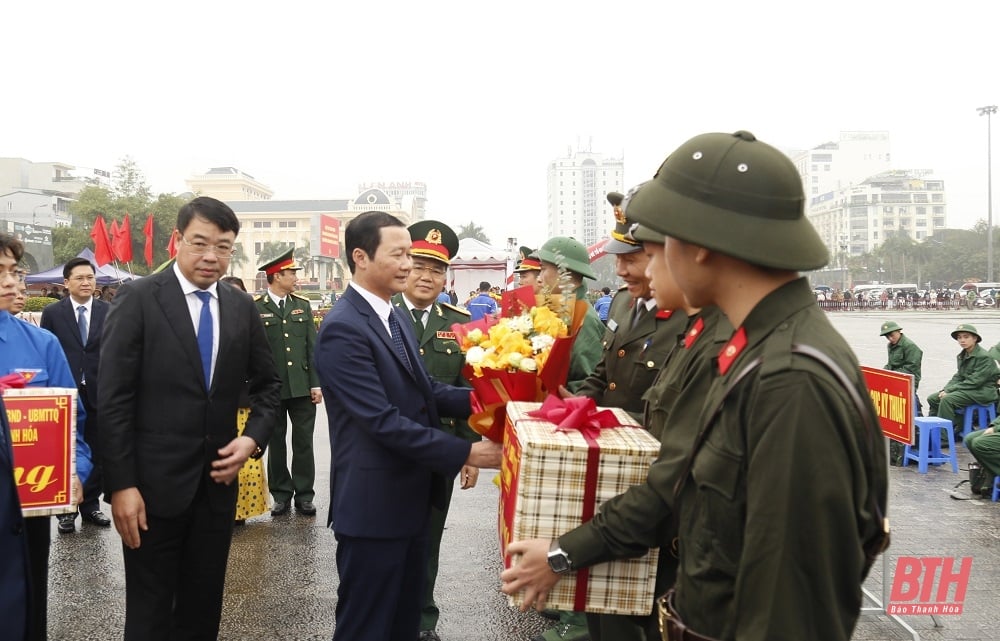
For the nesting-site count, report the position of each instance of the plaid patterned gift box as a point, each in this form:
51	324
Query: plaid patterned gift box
548	487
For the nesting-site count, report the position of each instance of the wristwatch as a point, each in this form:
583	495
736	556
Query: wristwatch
558	560
257	453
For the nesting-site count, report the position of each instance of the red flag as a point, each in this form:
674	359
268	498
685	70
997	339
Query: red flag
122	244
102	248
148	233
172	247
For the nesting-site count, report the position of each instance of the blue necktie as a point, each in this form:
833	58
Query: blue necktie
81	321
397	340
205	336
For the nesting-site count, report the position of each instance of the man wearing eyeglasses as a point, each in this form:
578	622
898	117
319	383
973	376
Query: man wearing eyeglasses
434	244
291	333
77	321
177	352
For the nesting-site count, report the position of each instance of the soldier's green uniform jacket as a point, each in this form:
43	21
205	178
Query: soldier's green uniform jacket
442	354
587	348
285	333
642	518
632	356
783	489
977	375
905	357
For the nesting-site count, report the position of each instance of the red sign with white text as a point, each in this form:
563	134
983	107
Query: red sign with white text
929	585
892	394
43	436
329	236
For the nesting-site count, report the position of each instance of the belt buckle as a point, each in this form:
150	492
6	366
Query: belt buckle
671	628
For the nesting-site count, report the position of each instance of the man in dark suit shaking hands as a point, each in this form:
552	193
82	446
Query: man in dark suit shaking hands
389	457
77	321
178	349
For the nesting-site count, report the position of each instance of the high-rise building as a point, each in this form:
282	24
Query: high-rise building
228	184
578	184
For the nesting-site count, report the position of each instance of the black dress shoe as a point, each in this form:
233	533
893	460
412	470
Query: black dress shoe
306	507
279	508
67	523
97	518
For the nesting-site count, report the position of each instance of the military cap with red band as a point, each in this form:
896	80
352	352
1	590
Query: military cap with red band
281	263
433	239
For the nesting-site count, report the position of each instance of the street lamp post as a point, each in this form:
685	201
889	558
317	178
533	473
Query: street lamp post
988	111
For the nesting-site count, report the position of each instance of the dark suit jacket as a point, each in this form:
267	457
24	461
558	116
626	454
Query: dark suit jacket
14	570
389	457
60	319
160	429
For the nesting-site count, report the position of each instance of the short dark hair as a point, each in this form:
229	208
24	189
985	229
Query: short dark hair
365	233
76	262
10	243
606	290
214	211
484	286
235	281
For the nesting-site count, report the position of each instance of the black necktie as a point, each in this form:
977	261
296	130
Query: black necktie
418	320
281	306
397	340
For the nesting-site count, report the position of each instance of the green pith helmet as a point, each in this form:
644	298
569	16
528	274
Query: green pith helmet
567	253
733	194
889	327
970	329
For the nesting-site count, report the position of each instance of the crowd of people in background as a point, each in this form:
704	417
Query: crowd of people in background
869	299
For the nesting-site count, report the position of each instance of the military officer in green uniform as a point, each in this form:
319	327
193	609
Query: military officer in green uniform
767	548
527	270
974	383
434	244
906	357
564	264
291	332
639	335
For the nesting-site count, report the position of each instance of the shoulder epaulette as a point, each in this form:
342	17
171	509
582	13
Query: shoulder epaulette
624	286
299	296
259	297
463	312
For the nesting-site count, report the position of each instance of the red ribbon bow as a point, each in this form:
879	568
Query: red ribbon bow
577	413
15	380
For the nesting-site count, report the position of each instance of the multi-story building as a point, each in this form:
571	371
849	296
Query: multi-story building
405	195
313	227
578	184
835	165
228	184
858	218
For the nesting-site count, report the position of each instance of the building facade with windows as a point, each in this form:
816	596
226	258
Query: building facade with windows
228	184
578	184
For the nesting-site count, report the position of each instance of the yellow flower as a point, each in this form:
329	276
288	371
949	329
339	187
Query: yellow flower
518	343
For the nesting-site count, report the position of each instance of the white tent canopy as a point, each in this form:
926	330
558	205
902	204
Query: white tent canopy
477	262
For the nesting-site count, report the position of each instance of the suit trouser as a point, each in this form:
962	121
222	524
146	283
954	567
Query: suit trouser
175	579
378	597
986	449
39	534
429	613
302	413
92	488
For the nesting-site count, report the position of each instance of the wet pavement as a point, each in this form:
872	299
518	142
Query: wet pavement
282	578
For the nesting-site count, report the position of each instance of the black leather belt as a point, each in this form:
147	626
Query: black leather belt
671	626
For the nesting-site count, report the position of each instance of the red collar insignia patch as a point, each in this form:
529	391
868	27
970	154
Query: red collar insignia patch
732	350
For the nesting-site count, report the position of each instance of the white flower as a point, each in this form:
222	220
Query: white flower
528	365
522	324
514	359
541	342
475	355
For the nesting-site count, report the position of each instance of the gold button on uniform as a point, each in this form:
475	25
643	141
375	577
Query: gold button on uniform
650	364
289	363
621	353
288	349
612	386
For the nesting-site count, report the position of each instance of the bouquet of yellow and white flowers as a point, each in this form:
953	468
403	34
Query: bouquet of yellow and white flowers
521	356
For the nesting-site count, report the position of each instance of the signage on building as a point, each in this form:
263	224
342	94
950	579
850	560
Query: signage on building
329	236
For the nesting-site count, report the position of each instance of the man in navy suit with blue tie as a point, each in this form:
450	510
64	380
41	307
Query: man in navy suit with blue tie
78	321
389	457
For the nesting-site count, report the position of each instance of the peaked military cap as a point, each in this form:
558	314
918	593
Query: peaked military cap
285	261
969	329
621	241
433	239
889	327
529	261
733	194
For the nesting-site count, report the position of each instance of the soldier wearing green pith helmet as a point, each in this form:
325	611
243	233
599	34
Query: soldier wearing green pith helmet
974	382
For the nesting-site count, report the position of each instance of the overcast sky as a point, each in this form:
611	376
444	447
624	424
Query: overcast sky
475	99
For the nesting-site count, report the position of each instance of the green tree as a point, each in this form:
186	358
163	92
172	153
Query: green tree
67	242
472	230
271	250
239	258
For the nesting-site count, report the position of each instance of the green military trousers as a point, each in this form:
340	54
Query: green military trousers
301	412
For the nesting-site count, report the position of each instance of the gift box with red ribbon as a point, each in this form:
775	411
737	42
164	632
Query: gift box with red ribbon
561	461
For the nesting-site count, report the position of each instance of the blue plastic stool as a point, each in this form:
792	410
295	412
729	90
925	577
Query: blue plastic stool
928	450
996	488
986	414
